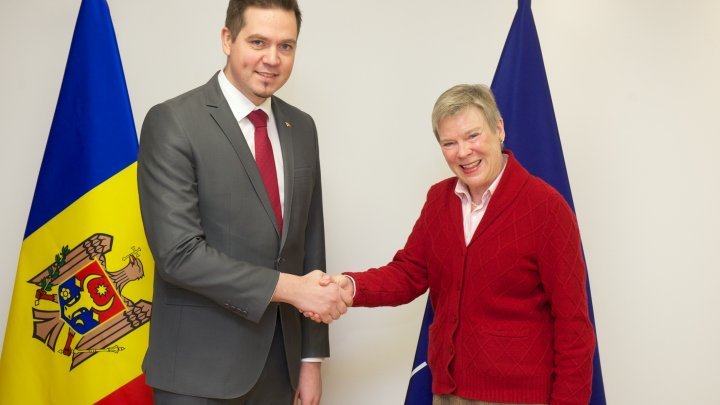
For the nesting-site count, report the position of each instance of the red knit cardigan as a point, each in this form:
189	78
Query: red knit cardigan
511	316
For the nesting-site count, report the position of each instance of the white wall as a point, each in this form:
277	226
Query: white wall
634	85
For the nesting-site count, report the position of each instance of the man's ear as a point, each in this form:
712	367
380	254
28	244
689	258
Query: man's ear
226	40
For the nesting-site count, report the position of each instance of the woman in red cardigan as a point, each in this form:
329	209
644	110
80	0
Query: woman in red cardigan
499	250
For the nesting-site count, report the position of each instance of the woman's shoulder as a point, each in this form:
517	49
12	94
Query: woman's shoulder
442	187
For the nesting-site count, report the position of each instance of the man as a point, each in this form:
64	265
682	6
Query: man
229	183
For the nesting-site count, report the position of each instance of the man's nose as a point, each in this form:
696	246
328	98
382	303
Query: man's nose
272	57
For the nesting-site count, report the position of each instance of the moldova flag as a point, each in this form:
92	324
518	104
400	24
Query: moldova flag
76	330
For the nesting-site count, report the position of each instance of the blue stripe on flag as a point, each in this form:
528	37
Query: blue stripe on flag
93	135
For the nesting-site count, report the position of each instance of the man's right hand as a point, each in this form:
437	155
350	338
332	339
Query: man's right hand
307	294
347	288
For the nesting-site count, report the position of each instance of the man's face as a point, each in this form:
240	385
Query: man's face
471	148
261	58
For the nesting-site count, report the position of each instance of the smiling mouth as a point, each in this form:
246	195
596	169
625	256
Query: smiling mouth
470	166
266	75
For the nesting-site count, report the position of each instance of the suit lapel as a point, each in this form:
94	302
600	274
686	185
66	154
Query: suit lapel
284	128
220	111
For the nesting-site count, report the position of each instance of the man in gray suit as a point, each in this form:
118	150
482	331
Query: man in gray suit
236	242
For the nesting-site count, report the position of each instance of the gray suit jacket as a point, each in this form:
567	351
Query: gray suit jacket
217	251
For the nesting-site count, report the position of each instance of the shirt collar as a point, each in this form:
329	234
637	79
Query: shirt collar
461	189
239	104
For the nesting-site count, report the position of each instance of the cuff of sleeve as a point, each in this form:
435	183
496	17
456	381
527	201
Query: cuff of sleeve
312	360
352	280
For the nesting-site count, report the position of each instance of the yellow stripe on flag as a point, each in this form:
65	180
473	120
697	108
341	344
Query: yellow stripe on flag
30	372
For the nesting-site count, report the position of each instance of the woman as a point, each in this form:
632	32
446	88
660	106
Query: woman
500	251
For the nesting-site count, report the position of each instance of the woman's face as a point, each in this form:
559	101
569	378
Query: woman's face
471	148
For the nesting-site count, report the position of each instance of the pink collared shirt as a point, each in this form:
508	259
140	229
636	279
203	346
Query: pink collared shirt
472	215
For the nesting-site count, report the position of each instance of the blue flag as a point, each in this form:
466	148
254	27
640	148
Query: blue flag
77	328
92	136
420	389
523	97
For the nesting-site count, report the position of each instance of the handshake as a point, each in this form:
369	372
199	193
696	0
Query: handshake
319	296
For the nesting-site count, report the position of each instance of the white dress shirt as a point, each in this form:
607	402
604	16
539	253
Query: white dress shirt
241	107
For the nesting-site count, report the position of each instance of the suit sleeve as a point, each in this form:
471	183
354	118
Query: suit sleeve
315	336
562	271
169	204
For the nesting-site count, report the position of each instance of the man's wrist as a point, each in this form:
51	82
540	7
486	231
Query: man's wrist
284	289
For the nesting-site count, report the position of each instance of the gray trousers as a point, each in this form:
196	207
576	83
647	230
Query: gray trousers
272	388
453	400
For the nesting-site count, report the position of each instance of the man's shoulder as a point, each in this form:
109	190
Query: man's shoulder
183	110
192	97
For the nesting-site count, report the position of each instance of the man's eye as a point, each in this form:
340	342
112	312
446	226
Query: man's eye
286	47
256	43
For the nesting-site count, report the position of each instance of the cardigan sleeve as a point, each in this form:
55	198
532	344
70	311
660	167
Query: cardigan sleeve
563	274
404	278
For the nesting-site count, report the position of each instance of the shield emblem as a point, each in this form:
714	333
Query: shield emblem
88	298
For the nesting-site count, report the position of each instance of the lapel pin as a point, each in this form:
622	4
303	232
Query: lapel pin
287	124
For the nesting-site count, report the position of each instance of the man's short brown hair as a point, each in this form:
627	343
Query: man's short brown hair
235	17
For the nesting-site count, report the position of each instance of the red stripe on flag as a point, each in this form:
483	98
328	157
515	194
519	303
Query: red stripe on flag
134	392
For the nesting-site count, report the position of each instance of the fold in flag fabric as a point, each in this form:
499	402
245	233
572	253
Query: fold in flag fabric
523	96
420	388
76	330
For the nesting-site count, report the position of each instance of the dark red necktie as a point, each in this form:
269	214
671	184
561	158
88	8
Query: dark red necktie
266	161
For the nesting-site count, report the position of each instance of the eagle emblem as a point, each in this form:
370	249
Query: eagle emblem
78	296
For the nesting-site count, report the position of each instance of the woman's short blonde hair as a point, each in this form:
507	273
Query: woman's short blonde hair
462	96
